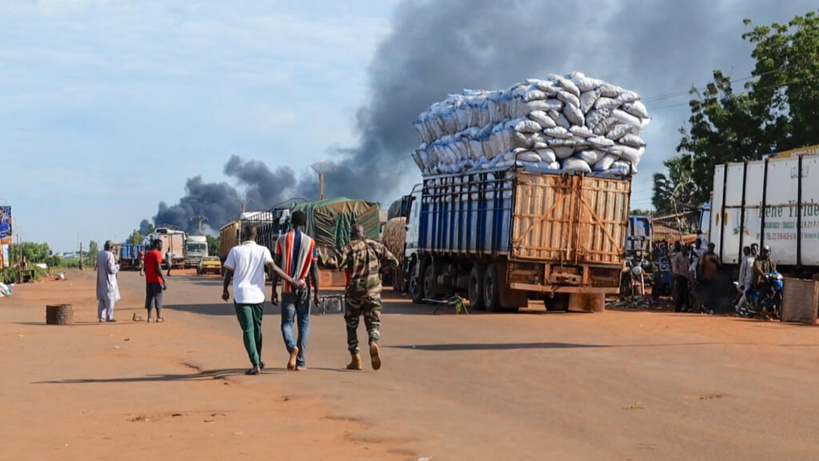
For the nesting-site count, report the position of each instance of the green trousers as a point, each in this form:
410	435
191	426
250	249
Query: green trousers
250	319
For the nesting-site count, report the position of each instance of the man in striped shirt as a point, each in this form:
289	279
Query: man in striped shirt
296	254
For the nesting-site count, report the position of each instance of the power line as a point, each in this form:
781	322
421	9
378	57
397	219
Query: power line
677	94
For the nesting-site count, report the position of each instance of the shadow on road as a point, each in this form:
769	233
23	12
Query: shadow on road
207	374
497	347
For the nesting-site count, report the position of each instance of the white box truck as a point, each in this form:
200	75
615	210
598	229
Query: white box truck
772	202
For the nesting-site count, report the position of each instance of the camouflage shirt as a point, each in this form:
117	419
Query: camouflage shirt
363	260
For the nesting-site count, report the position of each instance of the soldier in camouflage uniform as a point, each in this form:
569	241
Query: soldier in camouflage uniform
363	259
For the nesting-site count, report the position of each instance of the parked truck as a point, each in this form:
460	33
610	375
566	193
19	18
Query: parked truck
773	202
503	237
173	241
196	249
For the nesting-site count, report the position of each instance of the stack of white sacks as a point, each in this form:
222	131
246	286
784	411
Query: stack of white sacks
573	124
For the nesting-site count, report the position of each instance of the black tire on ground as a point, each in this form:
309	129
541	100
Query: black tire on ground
428	285
476	279
416	288
560	303
491	289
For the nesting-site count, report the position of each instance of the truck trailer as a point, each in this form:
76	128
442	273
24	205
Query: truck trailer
506	236
772	202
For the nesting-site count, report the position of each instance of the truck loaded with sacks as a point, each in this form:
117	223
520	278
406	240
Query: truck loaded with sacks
525	195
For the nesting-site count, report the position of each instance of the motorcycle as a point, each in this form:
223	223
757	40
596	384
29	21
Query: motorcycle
765	302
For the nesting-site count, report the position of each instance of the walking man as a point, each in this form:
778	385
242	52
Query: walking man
245	265
169	260
141	262
364	258
107	286
296	254
154	282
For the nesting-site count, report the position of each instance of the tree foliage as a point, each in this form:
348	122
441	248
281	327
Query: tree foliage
778	109
136	238
675	191
214	245
93	252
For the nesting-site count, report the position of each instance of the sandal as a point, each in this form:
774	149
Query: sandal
253	371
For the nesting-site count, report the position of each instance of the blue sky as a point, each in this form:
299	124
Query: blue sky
109	106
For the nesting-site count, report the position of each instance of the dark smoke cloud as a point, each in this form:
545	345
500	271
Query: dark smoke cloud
221	203
440	47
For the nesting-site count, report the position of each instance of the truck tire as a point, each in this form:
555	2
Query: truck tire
560	303
428	286
416	287
491	289
476	279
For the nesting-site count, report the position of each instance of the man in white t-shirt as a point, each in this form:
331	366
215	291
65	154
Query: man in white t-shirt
246	265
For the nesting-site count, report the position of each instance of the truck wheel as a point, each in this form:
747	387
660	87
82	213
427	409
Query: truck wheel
491	289
416	287
428	286
560	303
476	278
198	271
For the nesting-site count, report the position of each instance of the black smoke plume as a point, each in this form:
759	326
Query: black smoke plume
221	203
440	47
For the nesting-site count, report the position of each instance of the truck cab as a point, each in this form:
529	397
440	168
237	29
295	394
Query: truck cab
196	249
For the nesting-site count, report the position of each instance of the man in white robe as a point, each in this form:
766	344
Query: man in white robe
107	286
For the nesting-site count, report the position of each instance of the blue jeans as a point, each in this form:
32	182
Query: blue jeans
292	306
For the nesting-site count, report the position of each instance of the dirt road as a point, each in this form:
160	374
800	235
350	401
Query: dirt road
617	385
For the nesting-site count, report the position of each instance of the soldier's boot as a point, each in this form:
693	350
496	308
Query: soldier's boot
375	356
355	363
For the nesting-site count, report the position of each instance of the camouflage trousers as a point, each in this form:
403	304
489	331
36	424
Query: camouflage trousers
370	307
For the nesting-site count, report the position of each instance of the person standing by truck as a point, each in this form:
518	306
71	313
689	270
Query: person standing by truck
154	282
141	261
746	276
364	259
169	260
679	269
107	286
297	254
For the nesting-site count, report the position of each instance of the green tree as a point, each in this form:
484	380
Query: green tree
136	238
675	191
151	228
33	252
777	111
639	212
93	252
214	245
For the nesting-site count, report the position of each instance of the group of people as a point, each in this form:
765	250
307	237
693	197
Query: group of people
753	271
695	272
296	263
108	287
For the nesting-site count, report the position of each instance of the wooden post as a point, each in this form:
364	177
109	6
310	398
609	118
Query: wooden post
321	186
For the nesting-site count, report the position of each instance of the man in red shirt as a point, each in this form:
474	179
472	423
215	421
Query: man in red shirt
154	282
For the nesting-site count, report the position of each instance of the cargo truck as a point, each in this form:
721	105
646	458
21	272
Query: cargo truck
196	249
773	202
503	237
173	241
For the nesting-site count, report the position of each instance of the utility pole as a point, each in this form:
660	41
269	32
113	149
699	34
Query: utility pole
244	204
201	219
322	168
